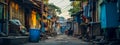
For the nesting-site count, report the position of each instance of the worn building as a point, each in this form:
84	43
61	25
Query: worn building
32	13
27	12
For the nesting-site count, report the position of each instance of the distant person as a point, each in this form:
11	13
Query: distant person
70	32
58	28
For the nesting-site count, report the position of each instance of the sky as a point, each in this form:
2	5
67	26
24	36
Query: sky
64	5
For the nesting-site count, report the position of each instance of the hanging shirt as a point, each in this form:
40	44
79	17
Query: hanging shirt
42	27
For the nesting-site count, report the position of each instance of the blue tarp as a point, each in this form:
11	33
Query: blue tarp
49	17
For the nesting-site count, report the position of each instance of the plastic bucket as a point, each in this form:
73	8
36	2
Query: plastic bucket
34	35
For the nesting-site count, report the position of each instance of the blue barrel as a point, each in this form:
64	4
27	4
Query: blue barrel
34	35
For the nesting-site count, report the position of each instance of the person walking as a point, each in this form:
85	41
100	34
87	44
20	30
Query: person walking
58	28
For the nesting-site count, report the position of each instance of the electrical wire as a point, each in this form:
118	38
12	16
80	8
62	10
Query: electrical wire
65	6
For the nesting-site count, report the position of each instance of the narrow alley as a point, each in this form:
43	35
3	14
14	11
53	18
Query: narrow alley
59	22
61	40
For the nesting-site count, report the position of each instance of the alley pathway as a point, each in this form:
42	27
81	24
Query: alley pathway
61	40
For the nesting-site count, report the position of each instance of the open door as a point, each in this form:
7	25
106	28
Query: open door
3	20
1	13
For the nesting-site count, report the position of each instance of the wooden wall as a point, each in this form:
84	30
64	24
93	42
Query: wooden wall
16	12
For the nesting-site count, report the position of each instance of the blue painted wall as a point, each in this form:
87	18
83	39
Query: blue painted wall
109	16
103	16
112	15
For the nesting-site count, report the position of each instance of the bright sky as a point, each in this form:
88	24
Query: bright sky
64	5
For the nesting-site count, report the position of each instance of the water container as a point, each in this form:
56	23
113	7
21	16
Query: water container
34	35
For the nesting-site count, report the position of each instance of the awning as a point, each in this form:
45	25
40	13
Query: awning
3	3
78	13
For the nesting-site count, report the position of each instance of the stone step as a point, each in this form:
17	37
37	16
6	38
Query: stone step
13	40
